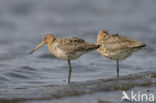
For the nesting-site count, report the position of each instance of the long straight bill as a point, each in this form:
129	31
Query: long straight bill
37	47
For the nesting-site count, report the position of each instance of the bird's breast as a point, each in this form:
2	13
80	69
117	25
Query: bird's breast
115	55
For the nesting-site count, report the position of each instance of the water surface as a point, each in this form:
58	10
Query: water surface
23	24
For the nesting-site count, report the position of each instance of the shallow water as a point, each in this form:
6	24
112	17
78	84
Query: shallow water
24	23
56	92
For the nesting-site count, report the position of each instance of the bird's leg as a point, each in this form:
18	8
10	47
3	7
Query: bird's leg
70	70
117	68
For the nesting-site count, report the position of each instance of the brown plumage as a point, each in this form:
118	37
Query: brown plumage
66	48
116	47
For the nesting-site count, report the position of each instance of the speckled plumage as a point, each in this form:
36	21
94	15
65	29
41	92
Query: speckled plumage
66	48
70	48
116	47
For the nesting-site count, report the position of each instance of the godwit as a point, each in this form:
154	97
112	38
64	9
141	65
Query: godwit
66	48
116	47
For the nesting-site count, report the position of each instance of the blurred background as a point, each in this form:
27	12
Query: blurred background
23	24
29	20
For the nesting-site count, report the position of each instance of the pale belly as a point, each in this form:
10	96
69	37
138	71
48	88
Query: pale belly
65	55
116	55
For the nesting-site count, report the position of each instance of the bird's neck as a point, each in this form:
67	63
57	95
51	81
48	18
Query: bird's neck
50	46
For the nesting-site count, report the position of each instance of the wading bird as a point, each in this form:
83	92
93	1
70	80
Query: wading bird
66	48
116	47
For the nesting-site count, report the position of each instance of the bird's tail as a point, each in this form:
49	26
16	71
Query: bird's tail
136	48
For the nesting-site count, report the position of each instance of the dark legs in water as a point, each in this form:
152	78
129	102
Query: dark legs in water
70	70
117	68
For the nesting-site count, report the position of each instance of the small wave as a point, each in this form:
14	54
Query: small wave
6	58
27	68
3	78
16	75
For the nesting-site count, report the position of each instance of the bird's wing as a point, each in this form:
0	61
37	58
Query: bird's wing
74	44
70	40
117	42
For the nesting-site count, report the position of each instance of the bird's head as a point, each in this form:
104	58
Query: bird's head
101	35
49	38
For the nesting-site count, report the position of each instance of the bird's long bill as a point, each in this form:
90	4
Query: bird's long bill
37	47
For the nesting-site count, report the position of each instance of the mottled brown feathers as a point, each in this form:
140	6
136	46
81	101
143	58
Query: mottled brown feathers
73	44
114	45
117	42
70	40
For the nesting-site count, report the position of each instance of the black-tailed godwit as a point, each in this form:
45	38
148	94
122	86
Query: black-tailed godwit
66	48
117	47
